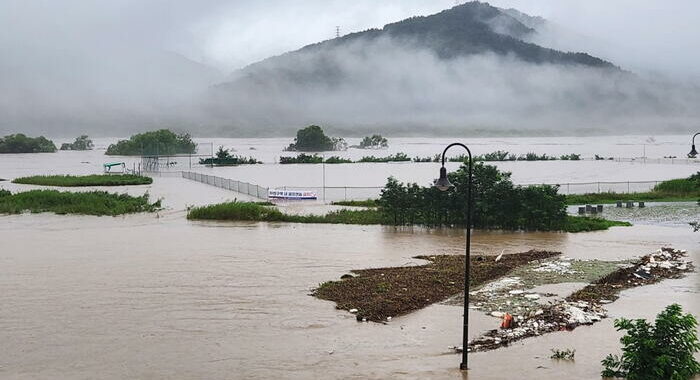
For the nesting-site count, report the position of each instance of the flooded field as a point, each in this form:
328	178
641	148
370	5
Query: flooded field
160	297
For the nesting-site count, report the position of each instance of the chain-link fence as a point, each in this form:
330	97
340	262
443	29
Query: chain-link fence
340	193
228	184
604	187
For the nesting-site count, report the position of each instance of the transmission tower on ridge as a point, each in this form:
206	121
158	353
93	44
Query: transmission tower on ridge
337	31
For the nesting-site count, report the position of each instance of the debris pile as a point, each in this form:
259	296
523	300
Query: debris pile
560	316
662	264
583	307
561	266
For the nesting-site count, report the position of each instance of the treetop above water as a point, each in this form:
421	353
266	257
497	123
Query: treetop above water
160	142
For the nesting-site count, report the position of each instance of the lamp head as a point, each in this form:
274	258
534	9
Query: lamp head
443	184
693	153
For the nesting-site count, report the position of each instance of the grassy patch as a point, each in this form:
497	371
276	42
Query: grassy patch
585	224
611	198
390	292
86	180
263	212
675	190
247	211
83	203
365	203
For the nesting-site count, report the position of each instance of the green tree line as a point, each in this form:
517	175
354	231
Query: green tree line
498	203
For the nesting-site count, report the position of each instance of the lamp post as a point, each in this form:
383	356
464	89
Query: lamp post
443	184
693	153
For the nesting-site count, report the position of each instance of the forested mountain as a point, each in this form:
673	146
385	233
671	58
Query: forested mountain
464	69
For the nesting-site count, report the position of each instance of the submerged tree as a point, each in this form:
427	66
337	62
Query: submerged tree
497	202
20	143
313	139
222	153
374	142
80	143
160	142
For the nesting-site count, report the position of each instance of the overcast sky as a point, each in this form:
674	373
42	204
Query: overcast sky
649	34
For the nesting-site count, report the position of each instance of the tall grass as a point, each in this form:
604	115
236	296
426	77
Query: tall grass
83	203
86	180
678	186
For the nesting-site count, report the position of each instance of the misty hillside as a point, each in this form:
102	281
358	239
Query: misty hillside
464	69
469	29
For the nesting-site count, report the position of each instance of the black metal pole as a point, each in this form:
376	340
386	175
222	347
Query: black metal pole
465	330
693	151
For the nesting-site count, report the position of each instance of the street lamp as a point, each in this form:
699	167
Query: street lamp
693	153
443	184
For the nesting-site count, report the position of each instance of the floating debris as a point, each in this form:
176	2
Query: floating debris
584	307
558	266
504	283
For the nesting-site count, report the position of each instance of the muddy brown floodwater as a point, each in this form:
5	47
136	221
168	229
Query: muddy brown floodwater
164	298
159	297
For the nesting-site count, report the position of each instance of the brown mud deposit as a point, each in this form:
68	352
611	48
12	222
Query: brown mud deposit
383	293
585	306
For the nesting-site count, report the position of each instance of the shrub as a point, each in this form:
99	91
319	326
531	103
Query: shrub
498	155
80	143
160	142
567	354
20	143
530	156
398	157
661	351
570	157
302	159
435	158
229	161
337	160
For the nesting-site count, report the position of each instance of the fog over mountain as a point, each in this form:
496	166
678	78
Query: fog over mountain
469	69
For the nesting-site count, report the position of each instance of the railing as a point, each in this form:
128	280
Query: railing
228	184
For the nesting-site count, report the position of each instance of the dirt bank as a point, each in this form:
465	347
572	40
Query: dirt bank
383	293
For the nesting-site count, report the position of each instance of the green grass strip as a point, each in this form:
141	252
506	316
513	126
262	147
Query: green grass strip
86	180
246	211
81	203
